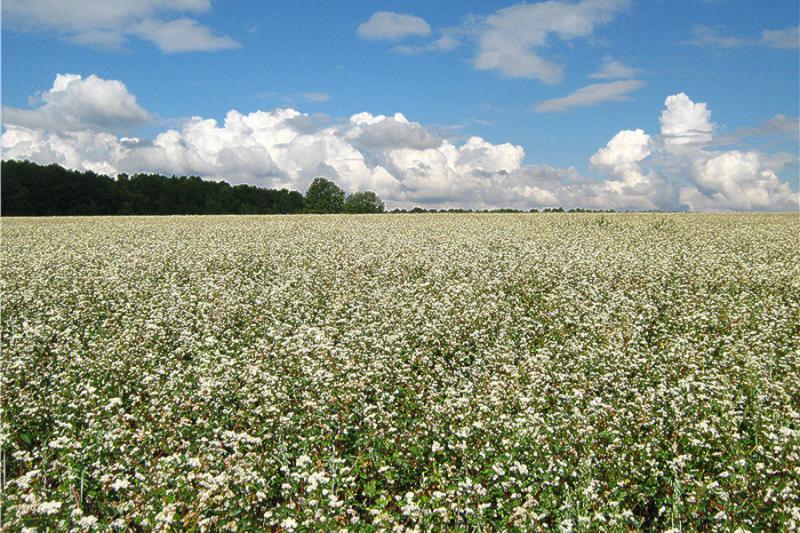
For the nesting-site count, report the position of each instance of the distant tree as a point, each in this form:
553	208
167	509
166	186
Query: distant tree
363	202
504	210
29	189
324	196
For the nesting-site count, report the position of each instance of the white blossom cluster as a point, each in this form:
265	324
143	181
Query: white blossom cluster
390	373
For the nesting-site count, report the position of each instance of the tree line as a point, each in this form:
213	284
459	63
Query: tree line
30	189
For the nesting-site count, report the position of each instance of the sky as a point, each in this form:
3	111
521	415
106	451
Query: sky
673	105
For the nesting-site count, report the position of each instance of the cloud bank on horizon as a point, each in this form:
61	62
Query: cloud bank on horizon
79	121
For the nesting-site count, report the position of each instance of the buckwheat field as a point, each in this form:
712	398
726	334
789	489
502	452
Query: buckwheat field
422	372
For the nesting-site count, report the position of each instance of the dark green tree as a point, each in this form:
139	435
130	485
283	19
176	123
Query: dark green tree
324	196
363	202
29	189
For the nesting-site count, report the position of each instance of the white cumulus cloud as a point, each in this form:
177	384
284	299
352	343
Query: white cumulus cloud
622	154
684	172
621	160
78	120
75	103
378	132
737	180
685	123
387	25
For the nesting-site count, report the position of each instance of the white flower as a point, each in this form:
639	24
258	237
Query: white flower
521	468
289	524
49	508
120	484
113	402
316	479
87	522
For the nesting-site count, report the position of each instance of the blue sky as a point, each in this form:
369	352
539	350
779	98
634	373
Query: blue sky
456	70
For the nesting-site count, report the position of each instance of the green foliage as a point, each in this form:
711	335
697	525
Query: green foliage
35	190
363	202
324	196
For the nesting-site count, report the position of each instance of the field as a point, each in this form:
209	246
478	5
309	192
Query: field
481	372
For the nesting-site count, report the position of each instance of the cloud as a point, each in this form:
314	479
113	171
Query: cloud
737	180
110	24
622	154
290	98
446	43
182	35
675	170
316	96
613	69
621	159
404	161
510	40
706	36
777	126
786	38
110	39
390	132
75	103
783	38
90	14
685	124
715	180
721	180
590	95
386	25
